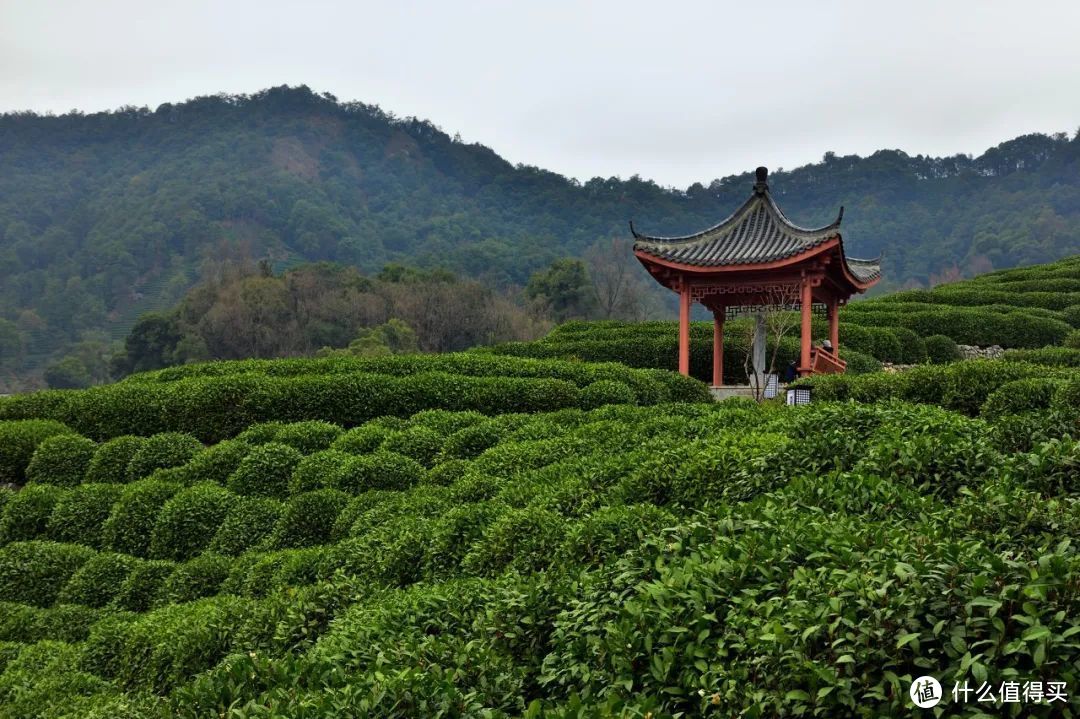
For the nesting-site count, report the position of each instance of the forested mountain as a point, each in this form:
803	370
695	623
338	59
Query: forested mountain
105	216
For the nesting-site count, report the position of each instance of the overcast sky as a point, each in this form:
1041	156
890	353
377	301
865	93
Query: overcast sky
677	92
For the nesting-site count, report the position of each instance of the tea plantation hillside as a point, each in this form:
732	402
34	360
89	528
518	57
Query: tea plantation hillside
1024	309
474	535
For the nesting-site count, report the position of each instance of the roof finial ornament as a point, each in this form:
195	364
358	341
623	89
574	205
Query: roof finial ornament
762	176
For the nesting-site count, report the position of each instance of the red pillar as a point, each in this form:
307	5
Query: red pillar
834	326
684	329
806	334
718	348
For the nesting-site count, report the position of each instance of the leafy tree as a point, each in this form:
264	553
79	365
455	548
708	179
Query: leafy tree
68	373
563	290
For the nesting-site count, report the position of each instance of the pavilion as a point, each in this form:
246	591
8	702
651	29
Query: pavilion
757	260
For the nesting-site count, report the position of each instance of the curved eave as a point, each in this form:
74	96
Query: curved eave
834	243
647	258
734	217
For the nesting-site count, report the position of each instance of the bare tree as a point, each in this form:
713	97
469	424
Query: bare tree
616	279
778	304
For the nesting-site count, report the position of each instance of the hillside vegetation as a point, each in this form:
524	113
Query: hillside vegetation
106	216
480	535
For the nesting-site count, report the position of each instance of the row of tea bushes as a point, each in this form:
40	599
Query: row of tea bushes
963	386
213	408
635	610
466	364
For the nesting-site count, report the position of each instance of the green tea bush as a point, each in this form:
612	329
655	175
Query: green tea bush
25	624
444	421
318	470
604	392
356	507
391	553
469	442
133	516
34	572
380	470
308	437
143	584
194	579
419	443
610	532
111	459
1071	314
362	440
162	451
1052	468
187	523
61	459
97	582
1050	356
260	433
454	534
1067	395
521	539
26	513
81	512
1022	395
447	472
1072	340
309	518
18	440
265	471
248	524
941	349
215	463
41	681
161	649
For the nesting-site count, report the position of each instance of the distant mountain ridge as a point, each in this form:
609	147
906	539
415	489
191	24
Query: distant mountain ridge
105	215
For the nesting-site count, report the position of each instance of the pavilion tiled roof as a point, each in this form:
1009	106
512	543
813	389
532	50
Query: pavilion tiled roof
758	232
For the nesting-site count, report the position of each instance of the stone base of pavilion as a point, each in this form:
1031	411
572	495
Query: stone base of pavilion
726	391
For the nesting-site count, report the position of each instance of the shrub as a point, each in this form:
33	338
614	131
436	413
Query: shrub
1052	356
35	572
97	582
604	392
381	470
308	437
472	441
1022	395
80	513
111	459
940	349
215	463
61	459
521	539
308	519
1071	314
859	363
444	421
419	443
1066	396
28	625
26	513
455	533
265	471
447	472
133	516
612	531
318	470
161	451
18	440
391	553
261	433
143	584
361	440
356	507
475	487
194	579
250	521
1072	340
187	523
